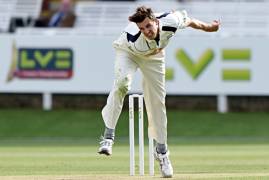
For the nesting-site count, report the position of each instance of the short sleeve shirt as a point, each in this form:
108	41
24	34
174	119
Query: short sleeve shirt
135	42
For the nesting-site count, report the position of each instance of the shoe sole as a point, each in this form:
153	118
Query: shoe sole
167	176
104	152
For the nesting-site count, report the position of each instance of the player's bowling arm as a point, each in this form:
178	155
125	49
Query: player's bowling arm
208	27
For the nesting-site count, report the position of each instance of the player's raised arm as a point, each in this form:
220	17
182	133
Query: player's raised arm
208	27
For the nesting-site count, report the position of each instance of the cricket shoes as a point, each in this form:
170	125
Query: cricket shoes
165	164
106	146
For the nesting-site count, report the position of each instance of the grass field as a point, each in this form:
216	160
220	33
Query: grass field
82	162
62	145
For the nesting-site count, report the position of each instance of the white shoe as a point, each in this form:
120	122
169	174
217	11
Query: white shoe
106	146
165	164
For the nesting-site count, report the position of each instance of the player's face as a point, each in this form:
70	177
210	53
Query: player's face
149	28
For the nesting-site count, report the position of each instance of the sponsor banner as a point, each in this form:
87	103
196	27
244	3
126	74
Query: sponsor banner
56	64
214	65
41	63
84	64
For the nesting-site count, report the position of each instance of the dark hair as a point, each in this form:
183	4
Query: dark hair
141	13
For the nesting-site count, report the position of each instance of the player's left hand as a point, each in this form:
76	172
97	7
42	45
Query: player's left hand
214	26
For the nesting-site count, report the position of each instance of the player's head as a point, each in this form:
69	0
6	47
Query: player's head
146	21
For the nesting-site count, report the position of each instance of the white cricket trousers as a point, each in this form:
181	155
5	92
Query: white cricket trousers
153	71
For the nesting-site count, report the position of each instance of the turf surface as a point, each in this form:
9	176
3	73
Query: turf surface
81	161
89	125
62	145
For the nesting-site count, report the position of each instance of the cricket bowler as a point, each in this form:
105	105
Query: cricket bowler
141	45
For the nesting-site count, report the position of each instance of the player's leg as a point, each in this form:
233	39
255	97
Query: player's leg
154	95
124	68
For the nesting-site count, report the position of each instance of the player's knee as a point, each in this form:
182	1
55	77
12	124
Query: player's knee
122	86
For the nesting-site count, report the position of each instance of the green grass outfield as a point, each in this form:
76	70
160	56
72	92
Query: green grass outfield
82	162
62	145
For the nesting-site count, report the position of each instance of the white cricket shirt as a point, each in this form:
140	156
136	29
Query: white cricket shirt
132	40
